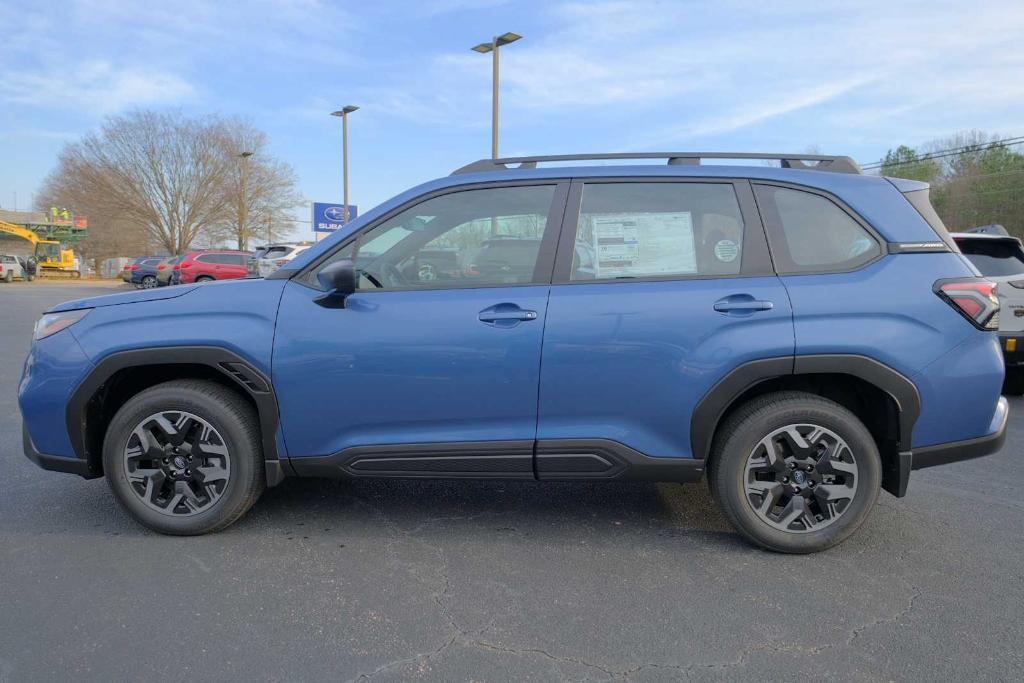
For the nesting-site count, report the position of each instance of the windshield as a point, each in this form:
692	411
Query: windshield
48	251
994	258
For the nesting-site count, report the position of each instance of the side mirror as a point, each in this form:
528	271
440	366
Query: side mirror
339	279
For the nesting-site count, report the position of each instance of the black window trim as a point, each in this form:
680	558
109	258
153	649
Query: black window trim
542	272
756	260
777	240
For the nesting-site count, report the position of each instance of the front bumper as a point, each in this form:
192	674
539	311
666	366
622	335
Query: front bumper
1012	345
55	463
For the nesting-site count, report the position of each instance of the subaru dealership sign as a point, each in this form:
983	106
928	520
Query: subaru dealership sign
330	217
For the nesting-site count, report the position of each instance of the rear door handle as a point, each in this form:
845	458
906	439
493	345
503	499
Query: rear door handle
743	303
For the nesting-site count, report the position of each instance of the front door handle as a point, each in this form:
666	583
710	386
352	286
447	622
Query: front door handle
505	315
742	303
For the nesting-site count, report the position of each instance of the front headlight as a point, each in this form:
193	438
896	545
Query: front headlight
52	323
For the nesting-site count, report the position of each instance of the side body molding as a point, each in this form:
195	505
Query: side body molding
241	372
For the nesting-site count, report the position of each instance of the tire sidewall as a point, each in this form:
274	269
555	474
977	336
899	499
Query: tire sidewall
243	453
730	474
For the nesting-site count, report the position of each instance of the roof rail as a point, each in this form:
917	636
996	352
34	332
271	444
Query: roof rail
836	164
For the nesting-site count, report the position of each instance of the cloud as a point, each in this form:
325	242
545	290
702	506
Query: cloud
98	87
768	108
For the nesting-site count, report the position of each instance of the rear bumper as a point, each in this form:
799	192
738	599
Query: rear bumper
899	469
945	453
1012	346
54	463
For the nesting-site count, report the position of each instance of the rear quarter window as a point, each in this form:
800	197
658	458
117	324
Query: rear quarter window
809	233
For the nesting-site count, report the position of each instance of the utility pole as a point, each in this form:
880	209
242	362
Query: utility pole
243	201
493	48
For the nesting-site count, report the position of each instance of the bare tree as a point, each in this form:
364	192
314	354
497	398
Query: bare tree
259	191
158	170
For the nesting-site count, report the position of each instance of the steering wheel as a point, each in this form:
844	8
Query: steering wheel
388	276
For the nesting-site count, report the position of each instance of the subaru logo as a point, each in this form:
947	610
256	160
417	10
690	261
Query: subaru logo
335	213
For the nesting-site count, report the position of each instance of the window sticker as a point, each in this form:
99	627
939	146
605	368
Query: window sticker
643	244
726	251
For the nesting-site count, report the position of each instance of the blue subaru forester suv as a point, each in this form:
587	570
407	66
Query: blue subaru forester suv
802	333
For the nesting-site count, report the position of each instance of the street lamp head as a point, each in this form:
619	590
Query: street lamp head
347	109
483	48
506	38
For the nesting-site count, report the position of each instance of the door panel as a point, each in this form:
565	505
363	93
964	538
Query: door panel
406	367
629	361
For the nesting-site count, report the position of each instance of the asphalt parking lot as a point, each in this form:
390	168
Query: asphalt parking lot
497	580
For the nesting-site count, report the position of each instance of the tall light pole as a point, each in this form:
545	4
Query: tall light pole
343	113
243	201
492	47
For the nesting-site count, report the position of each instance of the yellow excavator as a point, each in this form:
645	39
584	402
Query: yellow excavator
51	259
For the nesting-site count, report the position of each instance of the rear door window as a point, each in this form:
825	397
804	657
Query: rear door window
277	252
994	258
657	230
810	233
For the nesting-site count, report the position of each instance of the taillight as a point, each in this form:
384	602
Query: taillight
975	299
131	267
186	264
160	267
177	266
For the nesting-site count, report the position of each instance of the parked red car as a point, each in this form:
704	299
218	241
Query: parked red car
212	264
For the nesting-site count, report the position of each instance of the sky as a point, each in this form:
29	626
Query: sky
852	77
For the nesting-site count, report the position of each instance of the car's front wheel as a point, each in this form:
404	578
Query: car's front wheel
184	457
795	472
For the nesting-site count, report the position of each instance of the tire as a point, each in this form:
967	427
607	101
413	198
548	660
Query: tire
9	277
149	282
30	278
230	462
796	424
1013	384
204	278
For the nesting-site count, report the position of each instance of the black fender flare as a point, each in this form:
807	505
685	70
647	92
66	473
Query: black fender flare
716	401
231	365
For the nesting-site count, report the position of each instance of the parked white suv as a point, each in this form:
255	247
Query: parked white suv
274	256
10	268
1000	258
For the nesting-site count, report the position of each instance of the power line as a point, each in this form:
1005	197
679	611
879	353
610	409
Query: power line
938	154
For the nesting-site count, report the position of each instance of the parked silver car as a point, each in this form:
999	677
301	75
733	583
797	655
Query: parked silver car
10	268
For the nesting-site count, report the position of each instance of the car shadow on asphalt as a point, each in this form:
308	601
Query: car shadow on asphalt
548	510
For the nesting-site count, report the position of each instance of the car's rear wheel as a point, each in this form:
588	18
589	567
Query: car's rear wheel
9	277
184	457
149	282
795	472
204	278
